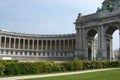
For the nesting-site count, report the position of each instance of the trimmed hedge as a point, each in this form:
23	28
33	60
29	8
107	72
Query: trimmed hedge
24	68
2	68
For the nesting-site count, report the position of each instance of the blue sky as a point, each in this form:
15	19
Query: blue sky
44	16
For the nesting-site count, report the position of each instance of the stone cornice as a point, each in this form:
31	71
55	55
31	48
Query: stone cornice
9	33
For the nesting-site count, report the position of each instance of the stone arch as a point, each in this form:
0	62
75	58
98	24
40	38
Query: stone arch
110	29
104	22
90	35
91	32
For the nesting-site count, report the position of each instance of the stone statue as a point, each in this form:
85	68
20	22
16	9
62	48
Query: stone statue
119	3
98	9
79	15
110	6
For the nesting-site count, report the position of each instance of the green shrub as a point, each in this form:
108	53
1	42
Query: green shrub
68	66
86	65
23	68
39	66
73	65
97	64
77	65
100	64
9	69
48	67
114	64
29	68
57	67
2	68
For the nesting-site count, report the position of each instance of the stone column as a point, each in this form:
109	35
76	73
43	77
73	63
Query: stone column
42	45
72	45
93	48
111	49
64	46
84	54
37	45
51	44
80	44
68	45
33	44
101	55
55	45
99	52
104	54
14	42
99	38
19	44
23	43
77	38
46	44
28	44
59	44
5	43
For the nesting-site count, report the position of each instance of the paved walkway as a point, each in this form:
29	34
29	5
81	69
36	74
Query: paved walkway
51	75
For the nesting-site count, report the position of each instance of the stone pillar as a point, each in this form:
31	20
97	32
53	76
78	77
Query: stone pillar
19	44
50	44
42	45
72	45
77	39
101	55
59	44
33	44
23	43
28	44
104	54
80	44
111	49
64	46
99	38
68	45
5	43
55	45
14	42
37	45
46	44
99	52
93	52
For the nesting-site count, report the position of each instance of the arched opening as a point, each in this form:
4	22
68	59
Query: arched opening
89	53
112	38
91	44
108	52
116	45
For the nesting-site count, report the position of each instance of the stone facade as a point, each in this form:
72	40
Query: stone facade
31	47
81	45
104	22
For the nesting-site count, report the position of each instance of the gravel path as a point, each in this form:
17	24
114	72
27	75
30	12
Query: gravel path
55	74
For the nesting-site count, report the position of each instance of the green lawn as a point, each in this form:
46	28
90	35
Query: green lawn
103	75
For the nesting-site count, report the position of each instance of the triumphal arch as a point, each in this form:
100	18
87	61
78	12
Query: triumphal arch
103	23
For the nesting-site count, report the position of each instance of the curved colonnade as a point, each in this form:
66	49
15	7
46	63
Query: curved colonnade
34	47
